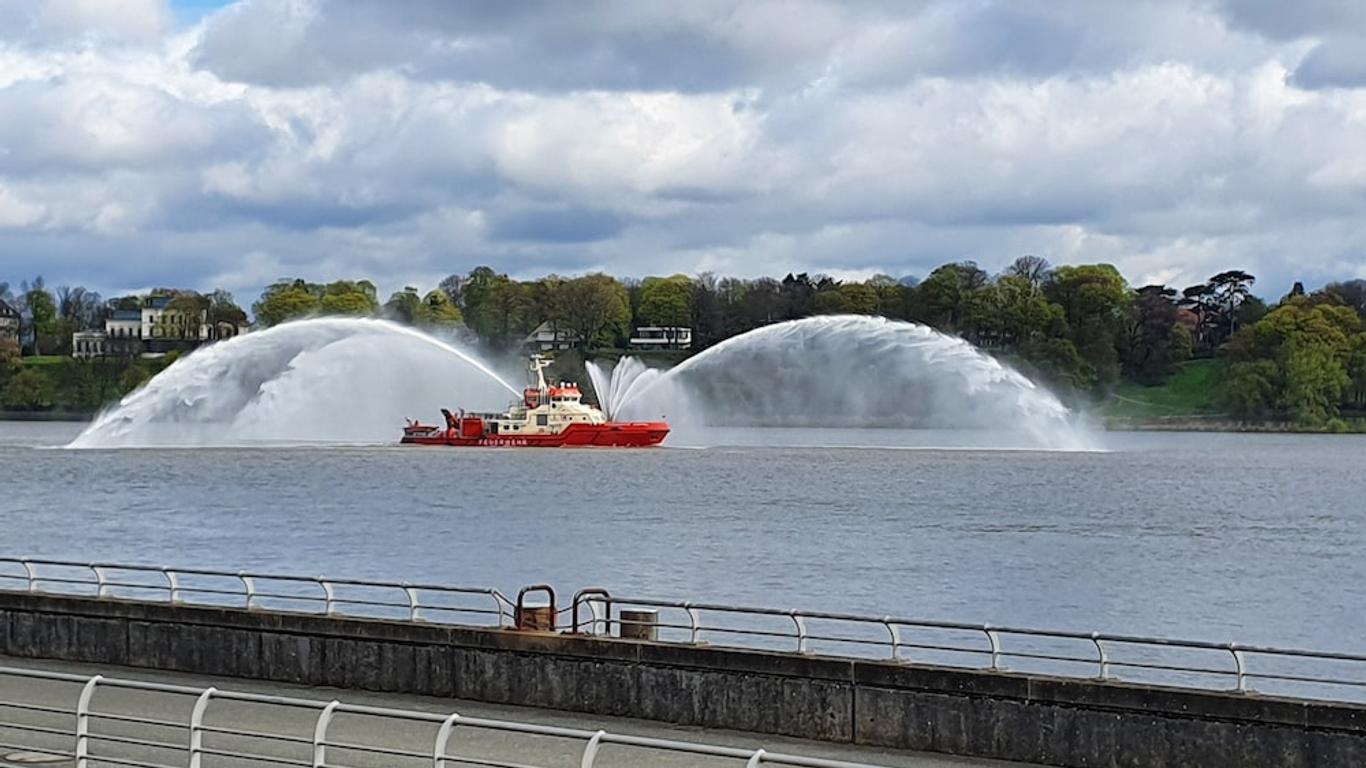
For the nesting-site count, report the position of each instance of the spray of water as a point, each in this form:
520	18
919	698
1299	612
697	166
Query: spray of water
346	380
844	372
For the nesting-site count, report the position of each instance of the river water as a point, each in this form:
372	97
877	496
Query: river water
1254	538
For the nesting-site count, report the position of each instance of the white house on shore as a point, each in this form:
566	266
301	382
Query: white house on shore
661	337
549	338
153	330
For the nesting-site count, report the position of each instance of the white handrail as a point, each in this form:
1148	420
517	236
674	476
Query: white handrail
87	749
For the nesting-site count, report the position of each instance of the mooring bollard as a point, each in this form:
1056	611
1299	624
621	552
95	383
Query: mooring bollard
640	625
536	616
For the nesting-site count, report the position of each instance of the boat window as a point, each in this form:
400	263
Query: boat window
542	420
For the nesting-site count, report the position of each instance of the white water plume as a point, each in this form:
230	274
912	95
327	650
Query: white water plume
844	371
340	380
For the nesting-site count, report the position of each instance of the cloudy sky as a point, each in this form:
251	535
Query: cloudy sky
209	144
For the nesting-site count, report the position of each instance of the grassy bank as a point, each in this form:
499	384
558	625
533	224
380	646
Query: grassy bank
1187	395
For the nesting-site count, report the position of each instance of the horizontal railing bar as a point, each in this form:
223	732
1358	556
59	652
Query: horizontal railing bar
117	718
253	756
37	708
29	748
257	735
37	728
133	741
376	749
127	762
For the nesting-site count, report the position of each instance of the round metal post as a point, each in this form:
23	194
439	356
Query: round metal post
329	596
695	622
248	589
413	606
83	722
995	641
443	740
99	580
196	727
590	750
173	583
1239	664
1102	656
895	632
32	574
800	621
320	734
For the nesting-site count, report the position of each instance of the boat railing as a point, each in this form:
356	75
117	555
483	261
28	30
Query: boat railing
1199	664
92	720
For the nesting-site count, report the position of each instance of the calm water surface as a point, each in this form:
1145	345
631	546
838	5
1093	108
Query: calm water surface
1258	538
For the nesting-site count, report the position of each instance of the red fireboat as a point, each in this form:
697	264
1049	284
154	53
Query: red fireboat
547	417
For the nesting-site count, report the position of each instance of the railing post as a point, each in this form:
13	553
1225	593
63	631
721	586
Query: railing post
995	641
32	574
800	621
99	580
329	595
695	622
499	605
755	759
413	606
83	722
248	588
196	725
1102	656
320	734
1240	664
590	750
443	740
895	632
173	581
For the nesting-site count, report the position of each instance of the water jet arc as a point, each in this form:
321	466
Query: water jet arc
330	379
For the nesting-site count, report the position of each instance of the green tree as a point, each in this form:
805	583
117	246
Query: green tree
666	301
596	308
224	311
1315	380
347	297
860	298
404	306
28	390
438	311
186	314
42	315
286	300
1249	390
1095	301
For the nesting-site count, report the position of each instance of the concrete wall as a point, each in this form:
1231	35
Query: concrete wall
1018	717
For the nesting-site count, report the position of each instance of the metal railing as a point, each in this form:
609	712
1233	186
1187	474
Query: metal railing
127	736
1092	655
474	606
1089	655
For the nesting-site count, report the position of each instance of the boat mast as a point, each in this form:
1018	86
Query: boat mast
538	365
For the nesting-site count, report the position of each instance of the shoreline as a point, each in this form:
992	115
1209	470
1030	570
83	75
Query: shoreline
1163	425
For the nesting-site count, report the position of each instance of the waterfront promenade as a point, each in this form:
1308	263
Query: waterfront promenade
294	727
606	656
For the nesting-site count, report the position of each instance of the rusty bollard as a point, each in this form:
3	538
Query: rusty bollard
640	625
538	616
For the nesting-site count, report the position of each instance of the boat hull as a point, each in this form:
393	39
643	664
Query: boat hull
624	434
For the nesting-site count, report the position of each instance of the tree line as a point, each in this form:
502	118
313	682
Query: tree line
1081	327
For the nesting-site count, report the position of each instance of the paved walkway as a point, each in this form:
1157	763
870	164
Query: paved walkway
295	728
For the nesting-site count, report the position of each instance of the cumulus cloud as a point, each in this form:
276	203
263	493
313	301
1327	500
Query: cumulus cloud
324	138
